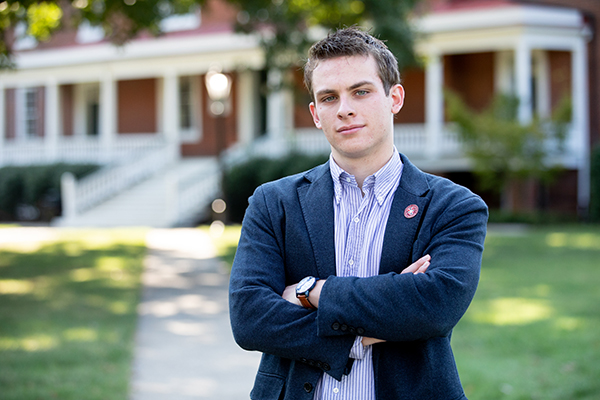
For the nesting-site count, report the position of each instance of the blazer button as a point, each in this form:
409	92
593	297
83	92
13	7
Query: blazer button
326	367
353	331
308	387
344	327
360	331
335	326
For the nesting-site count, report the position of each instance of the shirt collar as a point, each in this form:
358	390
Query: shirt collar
385	179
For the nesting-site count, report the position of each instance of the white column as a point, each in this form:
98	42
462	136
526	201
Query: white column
108	115
523	81
51	120
434	104
280	113
247	106
580	123
170	111
2	122
542	76
503	72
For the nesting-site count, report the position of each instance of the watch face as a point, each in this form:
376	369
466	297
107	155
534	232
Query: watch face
305	284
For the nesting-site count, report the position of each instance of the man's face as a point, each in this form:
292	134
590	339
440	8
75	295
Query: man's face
352	109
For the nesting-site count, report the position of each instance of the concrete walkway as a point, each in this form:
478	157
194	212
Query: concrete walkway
184	346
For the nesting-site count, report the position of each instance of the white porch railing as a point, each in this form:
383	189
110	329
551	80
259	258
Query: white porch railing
79	196
410	139
88	150
191	193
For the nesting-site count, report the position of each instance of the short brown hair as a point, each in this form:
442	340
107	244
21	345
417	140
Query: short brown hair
351	42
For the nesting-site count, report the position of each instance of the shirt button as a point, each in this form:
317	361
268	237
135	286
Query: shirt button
351	262
336	390
356	219
348	180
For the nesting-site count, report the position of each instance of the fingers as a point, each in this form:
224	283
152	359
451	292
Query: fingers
419	266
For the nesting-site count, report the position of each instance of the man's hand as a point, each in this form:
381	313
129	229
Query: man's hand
419	266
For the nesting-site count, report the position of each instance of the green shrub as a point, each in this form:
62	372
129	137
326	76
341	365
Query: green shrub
595	185
35	188
241	180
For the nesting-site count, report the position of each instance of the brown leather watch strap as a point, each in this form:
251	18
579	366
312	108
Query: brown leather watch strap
305	303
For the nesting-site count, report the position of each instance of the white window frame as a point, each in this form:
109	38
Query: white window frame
193	133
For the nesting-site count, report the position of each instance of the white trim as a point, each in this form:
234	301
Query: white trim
492	17
138	49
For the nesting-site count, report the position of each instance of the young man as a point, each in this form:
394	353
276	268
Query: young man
350	277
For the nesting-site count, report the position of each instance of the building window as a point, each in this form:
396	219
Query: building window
189	104
185	103
93	118
31	113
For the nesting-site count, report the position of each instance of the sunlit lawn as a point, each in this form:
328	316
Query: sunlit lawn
533	330
68	315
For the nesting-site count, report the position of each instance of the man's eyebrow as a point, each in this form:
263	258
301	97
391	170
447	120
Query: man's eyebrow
359	84
324	91
352	87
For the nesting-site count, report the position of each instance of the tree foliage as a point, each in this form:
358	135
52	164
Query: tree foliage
288	28
503	149
121	19
285	26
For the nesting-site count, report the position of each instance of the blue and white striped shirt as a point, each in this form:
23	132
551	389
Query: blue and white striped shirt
360	223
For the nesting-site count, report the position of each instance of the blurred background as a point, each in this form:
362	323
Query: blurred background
156	114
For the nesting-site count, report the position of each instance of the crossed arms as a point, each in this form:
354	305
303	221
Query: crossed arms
275	252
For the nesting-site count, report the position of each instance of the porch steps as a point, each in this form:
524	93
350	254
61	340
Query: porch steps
148	203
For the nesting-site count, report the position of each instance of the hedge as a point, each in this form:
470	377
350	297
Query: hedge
32	192
241	180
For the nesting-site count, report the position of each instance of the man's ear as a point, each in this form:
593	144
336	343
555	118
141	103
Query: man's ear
397	95
313	112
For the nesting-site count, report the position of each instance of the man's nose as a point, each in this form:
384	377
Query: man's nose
346	108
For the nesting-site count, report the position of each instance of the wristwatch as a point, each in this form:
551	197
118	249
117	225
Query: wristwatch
303	290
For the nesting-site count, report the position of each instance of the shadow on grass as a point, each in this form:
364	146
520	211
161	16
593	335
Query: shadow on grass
531	331
67	320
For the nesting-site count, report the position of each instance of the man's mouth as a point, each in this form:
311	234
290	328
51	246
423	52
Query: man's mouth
349	129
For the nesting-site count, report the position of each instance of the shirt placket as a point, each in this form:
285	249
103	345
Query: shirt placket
355	238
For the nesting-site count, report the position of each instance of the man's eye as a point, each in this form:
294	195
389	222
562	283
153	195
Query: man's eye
328	99
361	92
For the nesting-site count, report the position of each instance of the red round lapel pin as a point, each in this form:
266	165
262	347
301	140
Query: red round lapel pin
411	211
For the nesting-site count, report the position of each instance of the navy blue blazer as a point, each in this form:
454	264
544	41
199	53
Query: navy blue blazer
288	234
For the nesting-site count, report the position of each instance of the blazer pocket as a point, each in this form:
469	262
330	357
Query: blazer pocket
268	387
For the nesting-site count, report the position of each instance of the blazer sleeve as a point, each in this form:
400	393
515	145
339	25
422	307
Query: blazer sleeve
406	307
260	318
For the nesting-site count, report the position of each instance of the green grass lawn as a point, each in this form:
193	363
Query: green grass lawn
533	329
68	315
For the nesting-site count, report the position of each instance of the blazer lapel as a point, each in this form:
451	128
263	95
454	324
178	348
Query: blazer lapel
316	201
402	226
